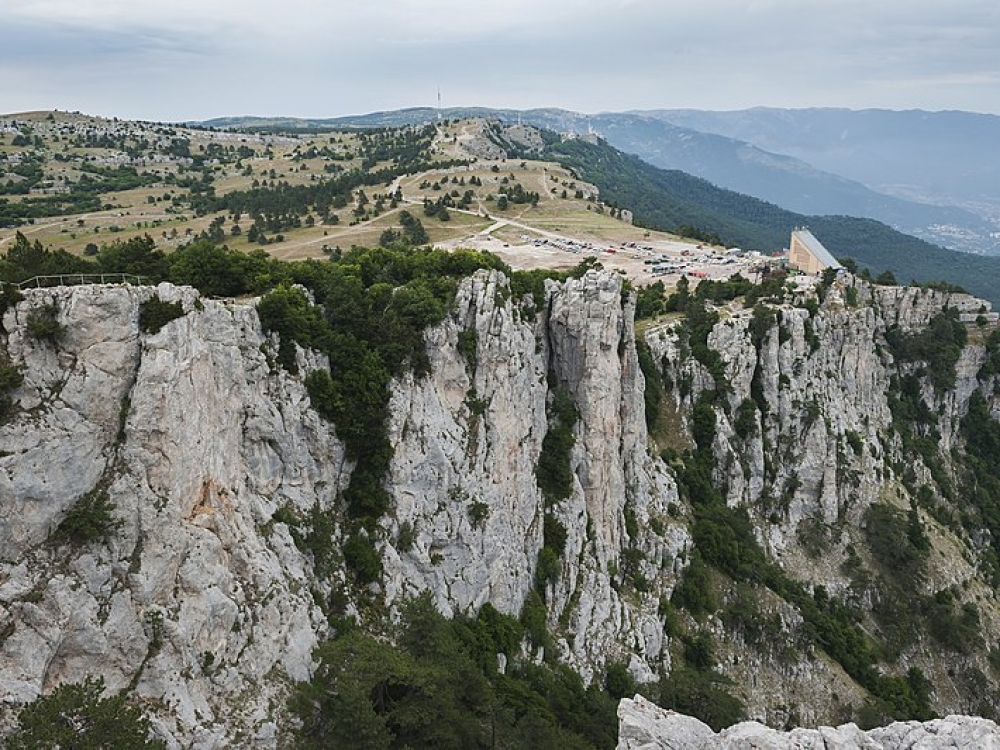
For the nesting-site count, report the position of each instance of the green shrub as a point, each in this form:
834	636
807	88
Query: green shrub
761	323
43	323
406	537
698	324
553	473
77	716
362	559
217	271
618	681
547	569
653	393
990	367
958	631
10	378
703	423
669	618
724	537
809	331
554	534
468	344
897	542
287	312
745	424
981	483
91	518
694	591
534	615
318	539
478	513
650	300
702	695
154	313
286	514
854	440
699	651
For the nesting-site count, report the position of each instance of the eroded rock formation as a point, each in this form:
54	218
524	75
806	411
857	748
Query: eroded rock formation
204	605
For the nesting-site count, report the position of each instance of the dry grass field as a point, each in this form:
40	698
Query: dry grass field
566	224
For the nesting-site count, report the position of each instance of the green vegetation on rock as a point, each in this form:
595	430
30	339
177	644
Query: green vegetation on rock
555	478
42	323
76	715
90	518
10	378
440	687
939	345
154	313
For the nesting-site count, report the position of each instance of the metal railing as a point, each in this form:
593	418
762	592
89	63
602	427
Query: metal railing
75	279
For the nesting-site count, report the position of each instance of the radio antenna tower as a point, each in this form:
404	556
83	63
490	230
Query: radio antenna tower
439	104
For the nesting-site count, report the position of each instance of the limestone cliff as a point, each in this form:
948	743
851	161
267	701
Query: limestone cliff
813	430
201	602
205	603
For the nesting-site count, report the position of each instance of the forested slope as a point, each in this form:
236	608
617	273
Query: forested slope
672	200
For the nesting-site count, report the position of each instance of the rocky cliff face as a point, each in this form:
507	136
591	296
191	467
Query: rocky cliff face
203	604
199	602
807	440
470	436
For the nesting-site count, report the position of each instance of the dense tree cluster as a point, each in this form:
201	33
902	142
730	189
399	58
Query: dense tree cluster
77	715
439	687
80	197
939	346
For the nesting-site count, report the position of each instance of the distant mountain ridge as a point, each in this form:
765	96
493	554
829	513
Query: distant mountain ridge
932	155
788	181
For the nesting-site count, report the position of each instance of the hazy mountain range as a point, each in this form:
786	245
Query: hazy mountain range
931	174
941	157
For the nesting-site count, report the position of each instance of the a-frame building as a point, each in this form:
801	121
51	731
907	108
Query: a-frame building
807	254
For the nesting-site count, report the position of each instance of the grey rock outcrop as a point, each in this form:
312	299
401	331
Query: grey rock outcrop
820	448
205	604
645	726
200	602
467	443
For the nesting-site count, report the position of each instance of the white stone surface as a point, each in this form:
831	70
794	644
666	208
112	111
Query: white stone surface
646	726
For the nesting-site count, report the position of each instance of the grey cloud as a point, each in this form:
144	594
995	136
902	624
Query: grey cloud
327	59
56	45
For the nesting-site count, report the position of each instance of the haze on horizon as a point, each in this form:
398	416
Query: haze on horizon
194	60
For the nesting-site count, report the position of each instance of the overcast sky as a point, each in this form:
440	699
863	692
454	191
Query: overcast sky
174	60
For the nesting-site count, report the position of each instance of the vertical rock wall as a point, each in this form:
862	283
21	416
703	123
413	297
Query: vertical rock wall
203	604
199	602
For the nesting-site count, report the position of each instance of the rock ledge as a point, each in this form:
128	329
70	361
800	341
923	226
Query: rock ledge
645	726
